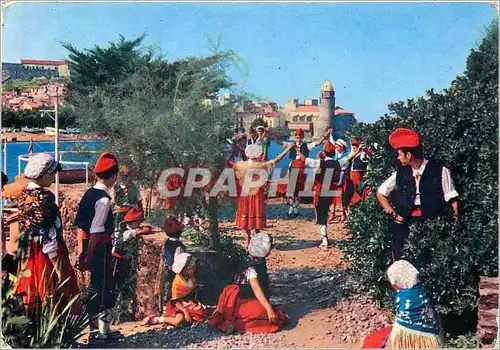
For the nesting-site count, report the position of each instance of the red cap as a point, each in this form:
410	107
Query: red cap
299	133
134	214
321	155
171	226
356	142
402	138
105	162
329	147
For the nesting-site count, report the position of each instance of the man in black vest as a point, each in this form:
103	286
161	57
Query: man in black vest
418	191
324	184
95	222
297	163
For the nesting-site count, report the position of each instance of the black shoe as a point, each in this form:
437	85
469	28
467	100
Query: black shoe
95	342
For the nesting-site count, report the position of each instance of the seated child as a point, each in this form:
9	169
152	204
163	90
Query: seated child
183	306
416	325
172	247
244	305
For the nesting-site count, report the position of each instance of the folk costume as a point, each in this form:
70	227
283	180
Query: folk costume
354	191
416	194
95	222
126	245
42	250
340	185
417	324
171	248
329	172
297	163
251	213
238	307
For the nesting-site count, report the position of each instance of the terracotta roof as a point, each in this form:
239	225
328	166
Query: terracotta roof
34	104
340	111
308	109
44	62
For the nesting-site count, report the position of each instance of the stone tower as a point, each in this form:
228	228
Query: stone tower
326	109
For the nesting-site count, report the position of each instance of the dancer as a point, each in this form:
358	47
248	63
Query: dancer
297	163
251	213
324	184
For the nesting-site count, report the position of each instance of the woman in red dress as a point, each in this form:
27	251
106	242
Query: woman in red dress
42	250
244	305
251	213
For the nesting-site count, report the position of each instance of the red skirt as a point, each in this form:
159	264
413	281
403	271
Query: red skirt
301	178
244	315
251	213
198	314
356	177
377	339
43	279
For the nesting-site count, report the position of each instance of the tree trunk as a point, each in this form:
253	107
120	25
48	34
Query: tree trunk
214	237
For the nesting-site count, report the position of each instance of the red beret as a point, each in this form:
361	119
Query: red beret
329	147
105	162
402	138
172	226
134	214
356	142
299	133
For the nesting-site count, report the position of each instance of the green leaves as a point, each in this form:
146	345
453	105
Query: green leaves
459	130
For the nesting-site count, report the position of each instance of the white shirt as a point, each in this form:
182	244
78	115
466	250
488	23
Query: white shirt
310	146
101	208
447	184
315	164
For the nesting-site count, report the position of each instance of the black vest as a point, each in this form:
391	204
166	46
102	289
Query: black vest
431	191
303	148
328	164
246	291
86	211
357	164
169	251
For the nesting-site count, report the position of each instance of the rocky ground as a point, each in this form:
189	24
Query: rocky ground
309	283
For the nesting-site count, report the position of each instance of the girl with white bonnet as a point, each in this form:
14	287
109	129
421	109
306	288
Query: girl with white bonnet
251	213
41	249
244	305
417	325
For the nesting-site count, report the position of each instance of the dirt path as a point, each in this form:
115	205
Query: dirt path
323	308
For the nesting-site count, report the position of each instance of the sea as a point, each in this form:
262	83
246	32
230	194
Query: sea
86	151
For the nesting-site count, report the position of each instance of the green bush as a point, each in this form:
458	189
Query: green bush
459	128
52	325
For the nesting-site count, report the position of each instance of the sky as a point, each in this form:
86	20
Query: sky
373	53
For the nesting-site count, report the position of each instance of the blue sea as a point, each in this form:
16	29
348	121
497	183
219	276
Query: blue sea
16	149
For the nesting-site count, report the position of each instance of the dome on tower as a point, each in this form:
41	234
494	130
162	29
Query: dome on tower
327	86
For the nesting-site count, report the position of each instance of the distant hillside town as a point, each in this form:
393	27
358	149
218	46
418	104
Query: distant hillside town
33	84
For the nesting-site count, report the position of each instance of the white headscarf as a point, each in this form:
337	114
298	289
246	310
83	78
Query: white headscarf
403	274
253	151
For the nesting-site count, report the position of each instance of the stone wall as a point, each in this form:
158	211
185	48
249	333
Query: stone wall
150	256
487	327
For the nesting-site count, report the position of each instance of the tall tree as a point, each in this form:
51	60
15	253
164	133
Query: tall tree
154	113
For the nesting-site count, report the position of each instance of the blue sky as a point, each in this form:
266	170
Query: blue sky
374	53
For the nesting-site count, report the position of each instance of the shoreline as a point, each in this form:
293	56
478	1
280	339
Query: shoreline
19	137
